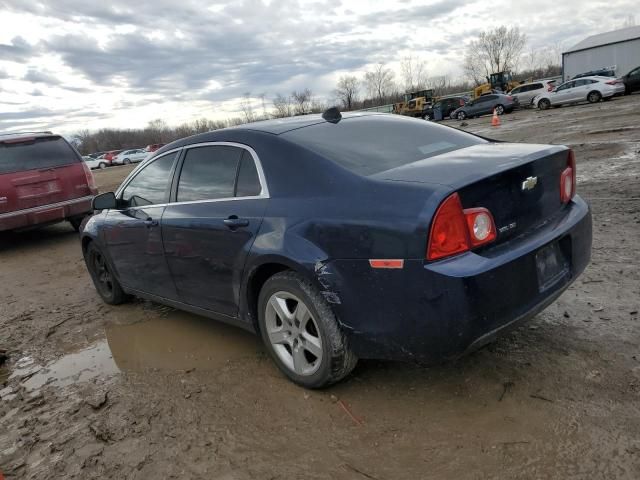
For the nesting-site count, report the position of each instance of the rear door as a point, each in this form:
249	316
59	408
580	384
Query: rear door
210	228
484	104
38	171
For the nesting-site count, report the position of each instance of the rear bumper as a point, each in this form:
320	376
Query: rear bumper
54	212
437	311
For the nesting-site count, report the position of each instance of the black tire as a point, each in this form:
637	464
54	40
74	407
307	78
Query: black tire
544	104
594	97
461	115
500	109
75	222
105	282
337	358
126	161
102	165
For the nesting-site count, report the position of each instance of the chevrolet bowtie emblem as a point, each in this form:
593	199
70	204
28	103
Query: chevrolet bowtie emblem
529	183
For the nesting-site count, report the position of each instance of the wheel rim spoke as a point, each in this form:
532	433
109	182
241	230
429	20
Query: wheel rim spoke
312	345
281	308
300	364
279	337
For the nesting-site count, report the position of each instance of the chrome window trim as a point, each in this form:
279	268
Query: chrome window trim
264	193
264	189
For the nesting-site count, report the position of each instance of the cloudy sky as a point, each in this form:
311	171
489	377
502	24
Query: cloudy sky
71	64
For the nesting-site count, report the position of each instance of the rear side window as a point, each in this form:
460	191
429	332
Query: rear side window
46	152
150	185
376	143
248	179
209	173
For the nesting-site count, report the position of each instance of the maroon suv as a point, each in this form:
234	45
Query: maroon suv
42	180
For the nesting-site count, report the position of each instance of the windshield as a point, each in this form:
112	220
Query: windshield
372	144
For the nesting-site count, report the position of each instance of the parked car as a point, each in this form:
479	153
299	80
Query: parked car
527	92
485	105
342	237
153	147
446	106
92	163
96	154
42	180
129	156
588	89
110	155
632	81
601	72
103	162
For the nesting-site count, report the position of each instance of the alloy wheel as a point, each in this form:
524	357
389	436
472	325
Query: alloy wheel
293	333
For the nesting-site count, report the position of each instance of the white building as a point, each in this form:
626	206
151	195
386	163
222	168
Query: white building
619	49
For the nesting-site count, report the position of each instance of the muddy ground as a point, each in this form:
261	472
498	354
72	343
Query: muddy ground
142	391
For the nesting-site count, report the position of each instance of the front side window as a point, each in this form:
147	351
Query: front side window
209	173
517	90
150	185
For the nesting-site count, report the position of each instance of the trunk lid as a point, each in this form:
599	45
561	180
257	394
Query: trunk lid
39	171
518	183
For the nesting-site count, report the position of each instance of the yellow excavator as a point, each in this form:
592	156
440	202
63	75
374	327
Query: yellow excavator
502	81
414	103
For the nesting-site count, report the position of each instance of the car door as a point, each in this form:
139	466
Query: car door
132	232
220	199
562	93
485	104
581	89
632	81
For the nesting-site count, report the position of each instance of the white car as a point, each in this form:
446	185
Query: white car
129	156
94	163
586	89
525	93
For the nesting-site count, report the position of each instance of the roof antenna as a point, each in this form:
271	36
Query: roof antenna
332	115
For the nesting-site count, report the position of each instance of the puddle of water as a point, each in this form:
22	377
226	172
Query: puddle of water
87	364
179	341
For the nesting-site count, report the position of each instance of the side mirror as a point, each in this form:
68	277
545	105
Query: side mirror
104	201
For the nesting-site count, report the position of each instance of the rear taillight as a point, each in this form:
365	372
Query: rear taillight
612	82
568	179
455	230
90	180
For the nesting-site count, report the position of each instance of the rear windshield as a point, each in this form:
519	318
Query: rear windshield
373	144
40	153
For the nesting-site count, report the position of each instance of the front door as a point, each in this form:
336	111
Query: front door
132	232
210	228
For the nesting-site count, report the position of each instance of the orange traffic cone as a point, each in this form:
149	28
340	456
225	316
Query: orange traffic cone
495	121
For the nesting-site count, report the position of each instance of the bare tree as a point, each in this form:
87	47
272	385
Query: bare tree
414	73
302	101
495	50
282	106
379	82
346	91
247	108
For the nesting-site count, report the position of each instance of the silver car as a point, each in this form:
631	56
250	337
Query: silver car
586	89
525	93
129	156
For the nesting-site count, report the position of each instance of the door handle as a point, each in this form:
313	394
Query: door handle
234	222
150	222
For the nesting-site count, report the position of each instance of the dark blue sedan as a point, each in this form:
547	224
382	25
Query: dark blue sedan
345	237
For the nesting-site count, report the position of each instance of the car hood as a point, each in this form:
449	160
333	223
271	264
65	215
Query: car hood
467	165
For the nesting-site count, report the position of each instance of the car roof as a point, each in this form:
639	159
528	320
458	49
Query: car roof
278	126
18	135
